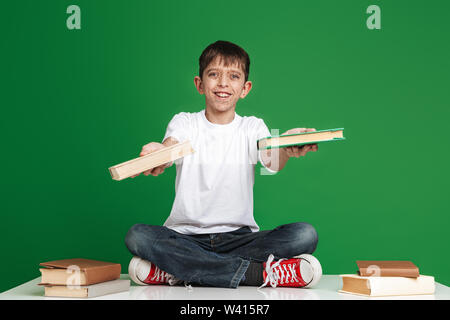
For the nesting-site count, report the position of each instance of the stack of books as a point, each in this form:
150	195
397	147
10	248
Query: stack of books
81	278
387	278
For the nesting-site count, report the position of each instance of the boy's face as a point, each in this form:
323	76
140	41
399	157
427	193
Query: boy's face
222	86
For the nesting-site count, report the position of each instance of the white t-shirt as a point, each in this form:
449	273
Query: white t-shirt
214	185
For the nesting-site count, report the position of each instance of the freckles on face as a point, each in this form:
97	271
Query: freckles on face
223	85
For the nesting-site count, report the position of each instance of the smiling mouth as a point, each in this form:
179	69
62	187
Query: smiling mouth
222	95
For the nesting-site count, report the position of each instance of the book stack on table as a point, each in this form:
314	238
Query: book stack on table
387	278
81	278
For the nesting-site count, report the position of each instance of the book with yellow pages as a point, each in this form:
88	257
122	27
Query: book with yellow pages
137	165
78	271
299	139
387	286
91	291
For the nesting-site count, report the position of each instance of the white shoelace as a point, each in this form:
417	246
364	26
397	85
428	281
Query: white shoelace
161	275
279	274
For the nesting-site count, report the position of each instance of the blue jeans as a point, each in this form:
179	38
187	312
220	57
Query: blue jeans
218	259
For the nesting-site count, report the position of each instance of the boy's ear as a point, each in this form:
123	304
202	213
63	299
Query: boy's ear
198	84
246	89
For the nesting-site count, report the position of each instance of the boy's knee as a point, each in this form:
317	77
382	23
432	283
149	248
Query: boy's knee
134	237
305	236
141	236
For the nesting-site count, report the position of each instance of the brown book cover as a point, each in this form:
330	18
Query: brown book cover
90	271
387	268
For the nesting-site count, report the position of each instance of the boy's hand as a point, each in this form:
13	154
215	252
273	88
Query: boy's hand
149	148
300	151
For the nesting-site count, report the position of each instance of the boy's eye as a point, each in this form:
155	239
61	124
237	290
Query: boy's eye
212	74
235	76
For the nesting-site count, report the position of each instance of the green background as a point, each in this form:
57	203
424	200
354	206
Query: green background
75	102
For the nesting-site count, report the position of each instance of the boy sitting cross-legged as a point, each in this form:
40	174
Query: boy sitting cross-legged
210	237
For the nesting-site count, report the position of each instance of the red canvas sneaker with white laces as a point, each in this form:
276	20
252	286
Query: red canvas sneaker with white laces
302	271
144	272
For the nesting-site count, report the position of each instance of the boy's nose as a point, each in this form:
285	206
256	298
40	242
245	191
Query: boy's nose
222	81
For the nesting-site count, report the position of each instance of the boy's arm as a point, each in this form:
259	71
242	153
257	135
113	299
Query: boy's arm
170	141
276	159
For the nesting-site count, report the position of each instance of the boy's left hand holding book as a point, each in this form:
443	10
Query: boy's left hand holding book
276	159
300	151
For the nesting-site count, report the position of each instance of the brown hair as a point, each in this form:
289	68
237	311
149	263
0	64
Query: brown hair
229	52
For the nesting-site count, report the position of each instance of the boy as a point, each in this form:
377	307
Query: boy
211	237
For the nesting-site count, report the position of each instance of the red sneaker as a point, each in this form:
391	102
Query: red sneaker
302	271
144	272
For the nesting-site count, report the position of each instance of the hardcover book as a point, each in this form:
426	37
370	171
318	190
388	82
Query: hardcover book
299	139
151	160
94	290
81	272
387	286
387	268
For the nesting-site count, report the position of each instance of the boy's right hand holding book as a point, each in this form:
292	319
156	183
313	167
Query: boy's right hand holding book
152	147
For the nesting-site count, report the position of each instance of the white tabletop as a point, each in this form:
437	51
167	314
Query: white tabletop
326	289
